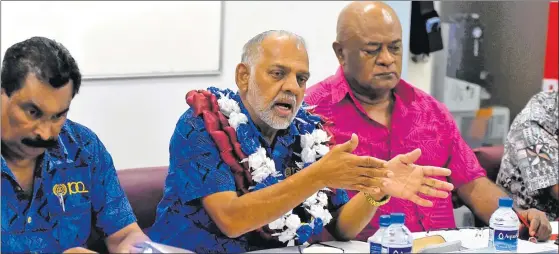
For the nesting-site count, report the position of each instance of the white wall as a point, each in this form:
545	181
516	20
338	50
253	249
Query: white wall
420	74
151	39
136	118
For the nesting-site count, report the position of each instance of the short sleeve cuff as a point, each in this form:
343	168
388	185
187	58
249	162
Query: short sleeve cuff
120	224
207	189
114	218
472	175
541	181
339	199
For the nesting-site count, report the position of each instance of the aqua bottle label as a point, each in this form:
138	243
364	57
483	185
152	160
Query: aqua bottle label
398	250
505	240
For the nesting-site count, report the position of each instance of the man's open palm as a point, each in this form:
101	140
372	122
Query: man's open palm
410	179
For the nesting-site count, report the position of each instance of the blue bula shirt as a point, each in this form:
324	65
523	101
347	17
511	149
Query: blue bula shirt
196	170
79	172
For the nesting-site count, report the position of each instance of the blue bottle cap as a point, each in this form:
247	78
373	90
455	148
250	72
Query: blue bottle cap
399	218
384	220
505	202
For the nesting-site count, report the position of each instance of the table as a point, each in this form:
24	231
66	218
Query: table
478	239
152	247
363	247
347	247
475	239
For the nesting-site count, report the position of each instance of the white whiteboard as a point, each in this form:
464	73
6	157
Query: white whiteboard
121	39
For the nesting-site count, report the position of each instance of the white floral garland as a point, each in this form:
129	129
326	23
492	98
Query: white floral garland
261	167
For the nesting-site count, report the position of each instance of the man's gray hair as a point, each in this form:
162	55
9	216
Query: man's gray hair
252	49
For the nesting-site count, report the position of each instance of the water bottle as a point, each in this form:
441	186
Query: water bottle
397	238
375	241
503	227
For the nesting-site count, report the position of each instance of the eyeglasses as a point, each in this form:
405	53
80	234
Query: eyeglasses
301	248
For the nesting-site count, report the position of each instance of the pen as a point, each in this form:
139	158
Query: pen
526	224
522	219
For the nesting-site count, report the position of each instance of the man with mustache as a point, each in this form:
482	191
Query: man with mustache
249	169
58	180
366	96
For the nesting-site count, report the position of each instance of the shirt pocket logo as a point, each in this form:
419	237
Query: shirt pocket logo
69	188
59	190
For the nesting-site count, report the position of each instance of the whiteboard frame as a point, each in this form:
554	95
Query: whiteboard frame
175	74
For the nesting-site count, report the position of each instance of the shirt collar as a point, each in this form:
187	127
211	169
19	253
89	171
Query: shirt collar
340	88
403	90
5	167
60	153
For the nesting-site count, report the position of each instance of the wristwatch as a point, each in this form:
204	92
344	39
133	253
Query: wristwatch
374	202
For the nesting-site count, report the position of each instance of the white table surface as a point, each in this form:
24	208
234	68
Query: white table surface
363	247
348	247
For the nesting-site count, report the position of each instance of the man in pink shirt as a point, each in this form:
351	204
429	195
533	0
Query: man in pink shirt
366	96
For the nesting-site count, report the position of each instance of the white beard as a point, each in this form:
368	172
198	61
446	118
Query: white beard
265	112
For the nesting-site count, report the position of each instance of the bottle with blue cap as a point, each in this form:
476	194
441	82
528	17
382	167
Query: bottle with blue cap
375	241
503	227
397	238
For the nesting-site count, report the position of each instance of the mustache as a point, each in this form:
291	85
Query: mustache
286	98
40	143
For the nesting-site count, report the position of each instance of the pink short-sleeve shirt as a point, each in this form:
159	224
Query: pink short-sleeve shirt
418	121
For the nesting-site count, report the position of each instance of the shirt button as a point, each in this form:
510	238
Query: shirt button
29	220
18	188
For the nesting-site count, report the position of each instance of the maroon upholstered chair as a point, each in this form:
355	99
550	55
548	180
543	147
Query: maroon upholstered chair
144	189
490	159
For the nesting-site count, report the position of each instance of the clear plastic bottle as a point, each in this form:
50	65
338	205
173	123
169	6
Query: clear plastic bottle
375	241
397	237
504	225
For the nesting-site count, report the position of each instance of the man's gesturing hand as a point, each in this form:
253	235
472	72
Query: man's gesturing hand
342	170
410	179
